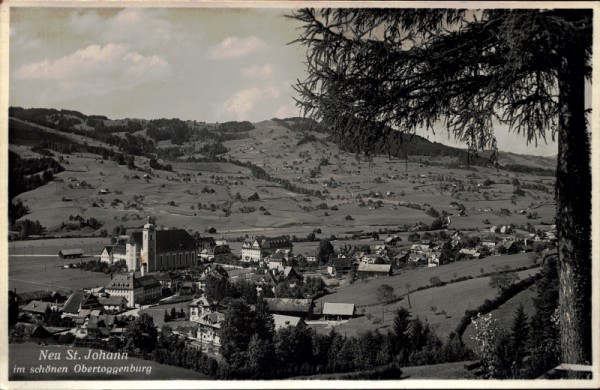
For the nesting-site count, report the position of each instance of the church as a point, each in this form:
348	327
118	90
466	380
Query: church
154	249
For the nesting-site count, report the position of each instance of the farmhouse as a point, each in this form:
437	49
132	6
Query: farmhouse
261	247
70	253
209	327
282	321
155	250
112	253
302	308
374	270
37	308
338	311
471	253
113	303
78	303
339	265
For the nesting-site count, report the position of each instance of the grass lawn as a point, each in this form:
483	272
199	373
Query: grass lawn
31	273
27	355
158	313
453	298
505	313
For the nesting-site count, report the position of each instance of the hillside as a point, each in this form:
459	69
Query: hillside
199	175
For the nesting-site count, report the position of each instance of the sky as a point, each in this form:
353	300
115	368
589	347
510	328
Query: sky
205	64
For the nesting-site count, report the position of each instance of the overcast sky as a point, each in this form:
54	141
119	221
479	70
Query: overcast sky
203	64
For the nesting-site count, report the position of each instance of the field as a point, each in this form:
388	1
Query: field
202	195
35	265
158	314
450	302
27	355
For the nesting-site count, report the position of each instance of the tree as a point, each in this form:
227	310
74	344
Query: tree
325	251
385	293
401	330
371	71
520	336
503	279
141	333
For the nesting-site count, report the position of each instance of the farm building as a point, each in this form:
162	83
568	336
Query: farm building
471	253
338	311
282	321
261	247
38	308
303	308
113	303
339	265
134	289
374	270
154	250
70	253
78	303
112	253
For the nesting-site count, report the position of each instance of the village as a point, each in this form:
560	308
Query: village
185	282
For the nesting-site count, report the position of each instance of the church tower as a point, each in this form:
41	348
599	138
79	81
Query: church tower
148	256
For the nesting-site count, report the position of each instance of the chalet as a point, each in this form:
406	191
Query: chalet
201	306
283	321
400	259
41	295
38	308
209	328
79	304
70	253
262	282
291	275
471	253
113	253
205	242
374	270
372	258
339	265
100	326
154	250
113	304
261	247
419	248
206	255
392	240
490	244
433	259
276	261
303	308
417	258
135	289
168	280
338	311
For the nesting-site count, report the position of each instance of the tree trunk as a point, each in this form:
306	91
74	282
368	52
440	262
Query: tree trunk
573	210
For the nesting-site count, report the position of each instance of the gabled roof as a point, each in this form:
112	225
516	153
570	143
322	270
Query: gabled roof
37	307
342	309
70	252
148	282
290	272
289	304
341	262
111	301
283	321
73	304
383	268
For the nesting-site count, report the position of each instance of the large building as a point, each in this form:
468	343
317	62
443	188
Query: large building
134	289
259	248
155	250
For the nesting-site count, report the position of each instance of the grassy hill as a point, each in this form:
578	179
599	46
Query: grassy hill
302	180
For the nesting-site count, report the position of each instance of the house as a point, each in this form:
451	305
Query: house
209	328
303	308
112	253
339	265
471	253
276	261
433	259
400	259
262	281
417	258
261	247
168	280
372	258
205	242
392	240
338	311
154	250
116	304
374	270
38	308
42	295
80	304
70	253
100	326
283	321
103	191
201	306
135	289
418	248
311	258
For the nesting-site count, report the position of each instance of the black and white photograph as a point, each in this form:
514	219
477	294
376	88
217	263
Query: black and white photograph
299	194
